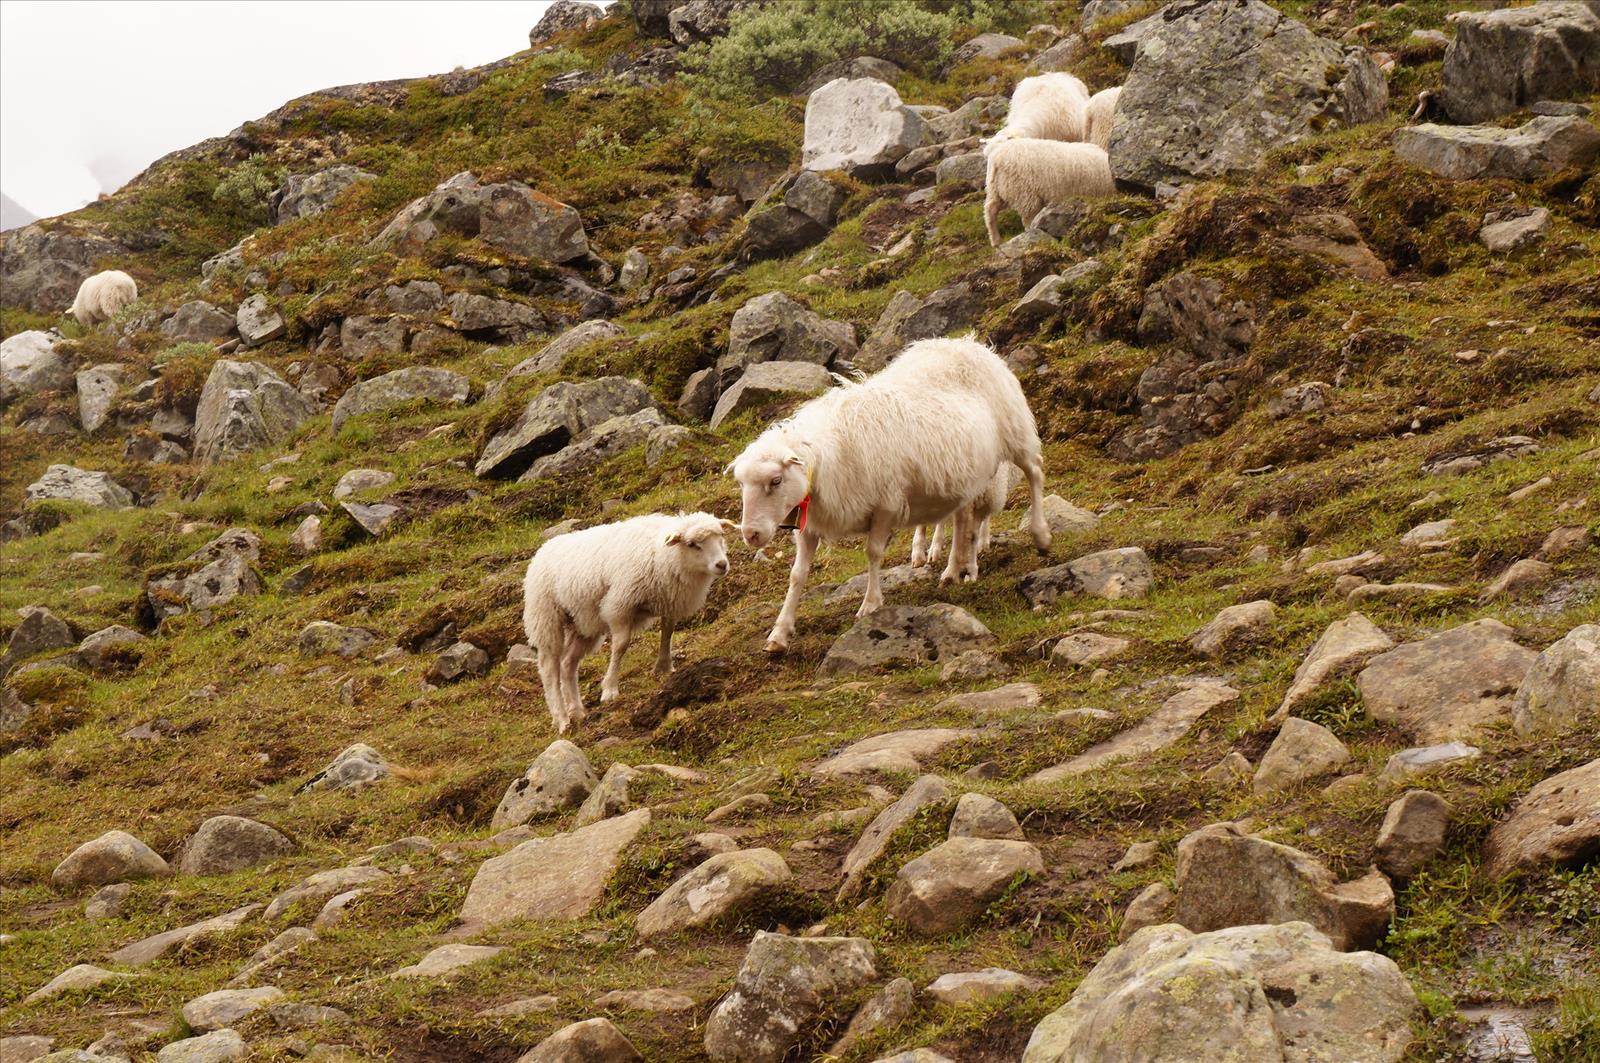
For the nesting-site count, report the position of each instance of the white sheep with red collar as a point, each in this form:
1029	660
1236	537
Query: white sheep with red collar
610	582
916	443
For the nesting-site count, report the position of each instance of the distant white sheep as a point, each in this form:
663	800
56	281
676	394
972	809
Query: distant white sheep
610	582
1097	116
925	548
1030	175
101	296
1046	107
913	444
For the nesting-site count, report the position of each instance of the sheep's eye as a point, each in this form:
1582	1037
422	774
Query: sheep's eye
693	546
777	480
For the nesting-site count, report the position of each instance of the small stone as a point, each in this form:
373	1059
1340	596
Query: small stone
949	886
219	1046
978	987
107	901
357	481
356	766
1139	854
981	816
589	1041
1302	751
1230	769
784	984
1415	761
1412	834
82	977
891	1006
461	661
224	1007
723	887
1234	627
448	960
738	807
231	843
1522	577
1087	647
115	856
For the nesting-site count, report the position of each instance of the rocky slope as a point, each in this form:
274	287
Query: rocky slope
1288	751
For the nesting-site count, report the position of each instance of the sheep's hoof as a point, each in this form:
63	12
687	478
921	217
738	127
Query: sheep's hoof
1041	542
918	561
776	648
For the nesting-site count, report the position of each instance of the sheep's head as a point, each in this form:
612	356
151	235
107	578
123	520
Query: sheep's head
773	479
698	544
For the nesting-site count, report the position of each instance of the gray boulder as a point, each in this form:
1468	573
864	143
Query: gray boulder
1502	61
502	320
1183	114
700	21
905	635
98	652
776	328
768	382
589	1041
784	984
1229	878
198	321
224	1007
891	1006
461	660
316	889
1343	648
1246	993
874	841
244	406
1174	718
374	519
555	354
951	885
807	211
1112	574
1448	685
1562	689
558	779
510	216
1234	627
1556	823
554	418
363	335
218	1046
907	318
322	637
97	389
67	483
981	816
859	125
115	856
231	843
1124	44
356	766
596	446
306	194
412	297
1413	833
860	66
608	799
401	386
725	886
1529	152
29	363
1302	751
562	16
258	322
559	877
984	46
40	631
216	573
1506	231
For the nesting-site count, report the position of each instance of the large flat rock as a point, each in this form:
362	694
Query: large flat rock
560	877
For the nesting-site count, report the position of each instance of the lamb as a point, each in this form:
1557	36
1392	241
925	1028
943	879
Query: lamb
1046	107
1030	175
609	582
925	547
913	444
1097	116
101	296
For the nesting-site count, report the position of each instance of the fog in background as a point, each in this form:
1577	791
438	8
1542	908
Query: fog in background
91	93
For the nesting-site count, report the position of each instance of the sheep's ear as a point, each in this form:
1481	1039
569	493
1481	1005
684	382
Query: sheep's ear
791	458
729	470
730	525
673	538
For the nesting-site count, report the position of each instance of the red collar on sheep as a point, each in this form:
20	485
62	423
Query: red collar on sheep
803	510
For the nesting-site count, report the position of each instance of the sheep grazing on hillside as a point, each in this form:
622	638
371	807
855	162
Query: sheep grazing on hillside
101	296
1030	175
913	444
610	582
1097	116
925	547
1046	107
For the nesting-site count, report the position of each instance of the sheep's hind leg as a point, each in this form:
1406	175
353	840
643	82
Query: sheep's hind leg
960	542
934	543
877	543
1033	468
554	695
919	546
969	549
578	647
805	548
611	685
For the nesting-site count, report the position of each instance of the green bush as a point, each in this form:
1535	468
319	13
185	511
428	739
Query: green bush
248	186
774	48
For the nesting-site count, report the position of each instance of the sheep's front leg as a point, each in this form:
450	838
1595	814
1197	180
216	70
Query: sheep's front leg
555	698
969	549
805	548
621	636
877	542
1037	526
664	658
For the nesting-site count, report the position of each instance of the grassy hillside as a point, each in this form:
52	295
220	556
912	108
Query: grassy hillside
252	718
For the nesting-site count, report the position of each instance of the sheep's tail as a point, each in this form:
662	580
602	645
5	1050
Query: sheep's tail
991	208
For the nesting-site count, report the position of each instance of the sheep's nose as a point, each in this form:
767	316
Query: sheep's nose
750	536
722	568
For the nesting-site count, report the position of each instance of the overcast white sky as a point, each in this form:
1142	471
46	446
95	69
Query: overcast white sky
93	92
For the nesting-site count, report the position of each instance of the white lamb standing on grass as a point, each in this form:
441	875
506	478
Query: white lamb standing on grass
915	443
101	296
1097	116
610	581
1046	107
1030	175
925	548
